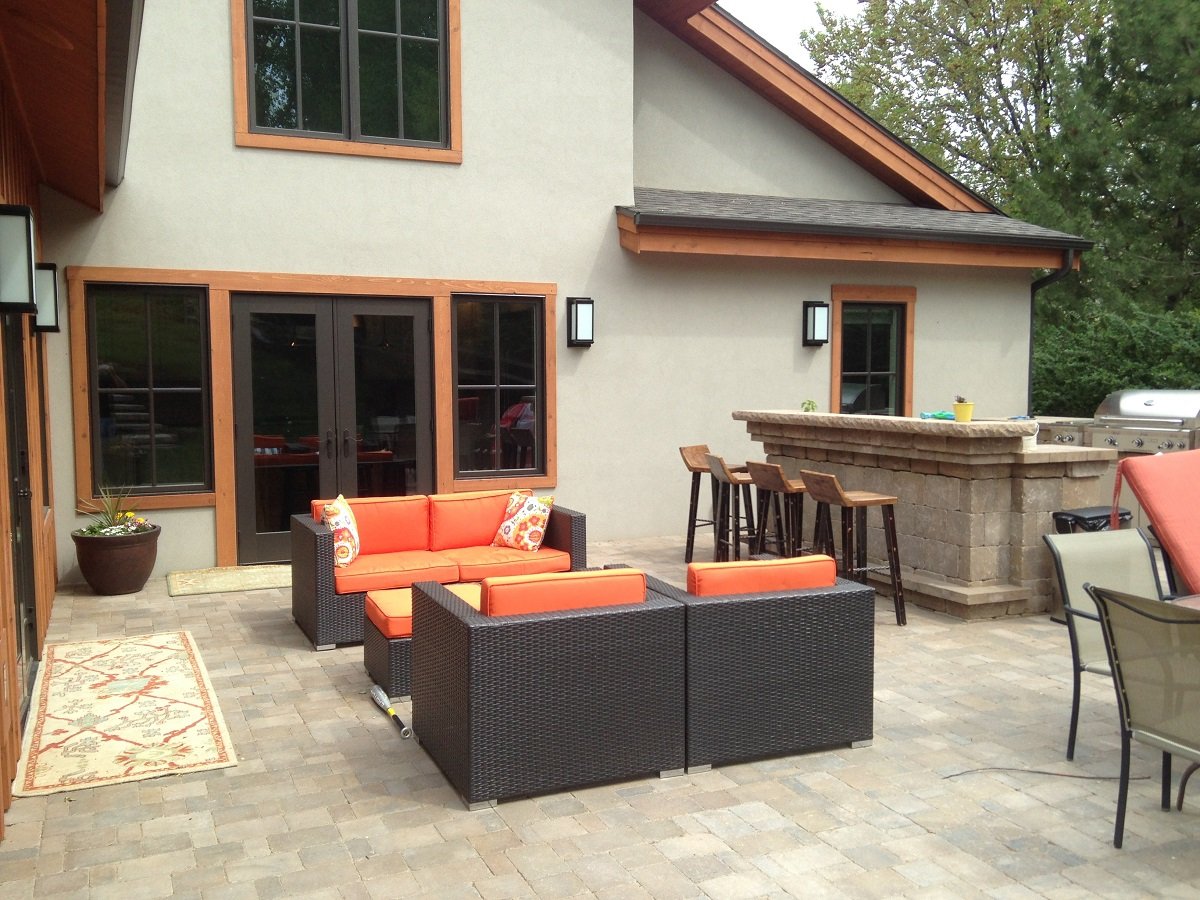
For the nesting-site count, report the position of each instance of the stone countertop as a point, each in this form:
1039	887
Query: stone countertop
981	428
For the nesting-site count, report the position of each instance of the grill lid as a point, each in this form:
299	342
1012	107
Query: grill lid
1145	407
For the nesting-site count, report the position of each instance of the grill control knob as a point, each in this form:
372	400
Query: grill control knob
1064	438
1111	441
1138	442
1166	445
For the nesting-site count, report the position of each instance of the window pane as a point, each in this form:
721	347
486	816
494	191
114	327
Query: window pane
180	446
518	344
377	15
379	94
421	71
420	17
320	12
173	321
476	433
475	343
855	334
883	341
275	9
274	76
518	431
321	79
121	360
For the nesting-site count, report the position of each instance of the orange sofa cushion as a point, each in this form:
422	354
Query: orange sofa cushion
388	524
760	576
391	610
478	563
513	595
1168	489
464	520
393	570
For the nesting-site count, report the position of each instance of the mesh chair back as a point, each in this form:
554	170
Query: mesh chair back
1121	560
1154	648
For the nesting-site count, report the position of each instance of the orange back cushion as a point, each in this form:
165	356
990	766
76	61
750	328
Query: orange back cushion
388	524
1168	489
510	595
465	520
760	576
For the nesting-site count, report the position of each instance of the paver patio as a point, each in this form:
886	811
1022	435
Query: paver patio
953	798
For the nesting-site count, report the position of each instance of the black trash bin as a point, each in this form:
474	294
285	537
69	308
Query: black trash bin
1089	518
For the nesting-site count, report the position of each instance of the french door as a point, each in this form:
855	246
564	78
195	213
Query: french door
331	396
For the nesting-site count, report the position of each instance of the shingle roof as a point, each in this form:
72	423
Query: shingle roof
847	218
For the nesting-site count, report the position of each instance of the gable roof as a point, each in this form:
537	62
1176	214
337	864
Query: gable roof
808	100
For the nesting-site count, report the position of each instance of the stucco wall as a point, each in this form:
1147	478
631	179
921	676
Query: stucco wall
551	117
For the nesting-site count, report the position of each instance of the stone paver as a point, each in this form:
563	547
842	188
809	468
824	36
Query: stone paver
964	791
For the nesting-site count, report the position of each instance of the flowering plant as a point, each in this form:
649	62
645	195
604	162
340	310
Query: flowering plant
110	518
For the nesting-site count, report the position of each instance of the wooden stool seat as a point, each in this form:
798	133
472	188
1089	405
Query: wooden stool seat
773	486
828	492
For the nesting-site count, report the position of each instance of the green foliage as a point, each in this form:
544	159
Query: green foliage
1087	354
111	518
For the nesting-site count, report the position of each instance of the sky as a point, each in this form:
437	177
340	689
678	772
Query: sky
781	21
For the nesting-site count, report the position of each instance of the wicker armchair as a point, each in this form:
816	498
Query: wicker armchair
328	618
775	674
509	706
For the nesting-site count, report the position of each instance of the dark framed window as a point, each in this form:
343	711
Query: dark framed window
872	358
357	70
151	419
499	386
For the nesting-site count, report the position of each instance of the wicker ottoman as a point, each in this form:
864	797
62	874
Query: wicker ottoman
387	635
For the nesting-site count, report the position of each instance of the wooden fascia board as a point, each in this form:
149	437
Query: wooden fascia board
780	245
672	12
843	127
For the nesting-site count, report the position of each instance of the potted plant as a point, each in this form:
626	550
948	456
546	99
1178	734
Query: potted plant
963	409
117	549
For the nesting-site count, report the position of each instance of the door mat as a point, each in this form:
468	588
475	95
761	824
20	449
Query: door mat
107	712
228	578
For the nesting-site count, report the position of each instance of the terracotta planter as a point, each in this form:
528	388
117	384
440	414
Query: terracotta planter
117	565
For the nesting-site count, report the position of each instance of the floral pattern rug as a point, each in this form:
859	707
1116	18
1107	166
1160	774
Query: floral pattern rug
106	712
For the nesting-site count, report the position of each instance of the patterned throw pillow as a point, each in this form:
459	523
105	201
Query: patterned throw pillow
524	525
340	518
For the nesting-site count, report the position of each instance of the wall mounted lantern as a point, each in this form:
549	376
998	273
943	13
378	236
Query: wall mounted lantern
816	323
581	322
46	284
16	260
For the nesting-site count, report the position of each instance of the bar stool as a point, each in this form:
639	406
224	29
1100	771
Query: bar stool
694	459
827	491
732	485
773	485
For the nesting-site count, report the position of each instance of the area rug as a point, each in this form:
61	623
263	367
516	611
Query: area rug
107	712
228	578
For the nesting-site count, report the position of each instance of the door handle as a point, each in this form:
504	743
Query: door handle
345	442
329	443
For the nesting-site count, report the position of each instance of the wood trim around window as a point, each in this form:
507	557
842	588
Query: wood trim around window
841	294
243	136
221	286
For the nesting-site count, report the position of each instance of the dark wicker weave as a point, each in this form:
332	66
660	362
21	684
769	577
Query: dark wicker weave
328	618
509	706
388	661
777	674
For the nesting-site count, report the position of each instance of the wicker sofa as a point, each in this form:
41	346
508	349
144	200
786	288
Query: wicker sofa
777	672
439	537
524	703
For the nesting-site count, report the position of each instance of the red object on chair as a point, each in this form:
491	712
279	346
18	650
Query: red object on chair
1168	488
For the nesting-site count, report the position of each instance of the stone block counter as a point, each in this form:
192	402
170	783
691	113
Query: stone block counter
974	499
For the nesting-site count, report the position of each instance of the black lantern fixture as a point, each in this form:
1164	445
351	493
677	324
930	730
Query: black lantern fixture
581	322
816	323
16	260
46	284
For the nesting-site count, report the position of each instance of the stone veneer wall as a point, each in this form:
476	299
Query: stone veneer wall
973	500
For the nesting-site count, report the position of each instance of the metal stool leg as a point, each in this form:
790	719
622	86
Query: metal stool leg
848	552
760	539
721	526
781	528
737	521
692	510
893	550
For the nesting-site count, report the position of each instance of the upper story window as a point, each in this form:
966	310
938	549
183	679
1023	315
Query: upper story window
375	71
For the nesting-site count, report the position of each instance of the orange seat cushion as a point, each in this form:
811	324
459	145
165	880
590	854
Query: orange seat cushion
1168	489
393	570
465	520
391	610
760	576
388	524
514	595
478	563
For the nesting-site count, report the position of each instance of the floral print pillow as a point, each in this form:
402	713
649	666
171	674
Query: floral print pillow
340	518
524	525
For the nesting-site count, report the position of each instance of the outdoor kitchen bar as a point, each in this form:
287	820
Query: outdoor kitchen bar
974	499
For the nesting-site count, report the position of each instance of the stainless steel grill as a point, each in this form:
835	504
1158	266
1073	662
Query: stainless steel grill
1145	421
